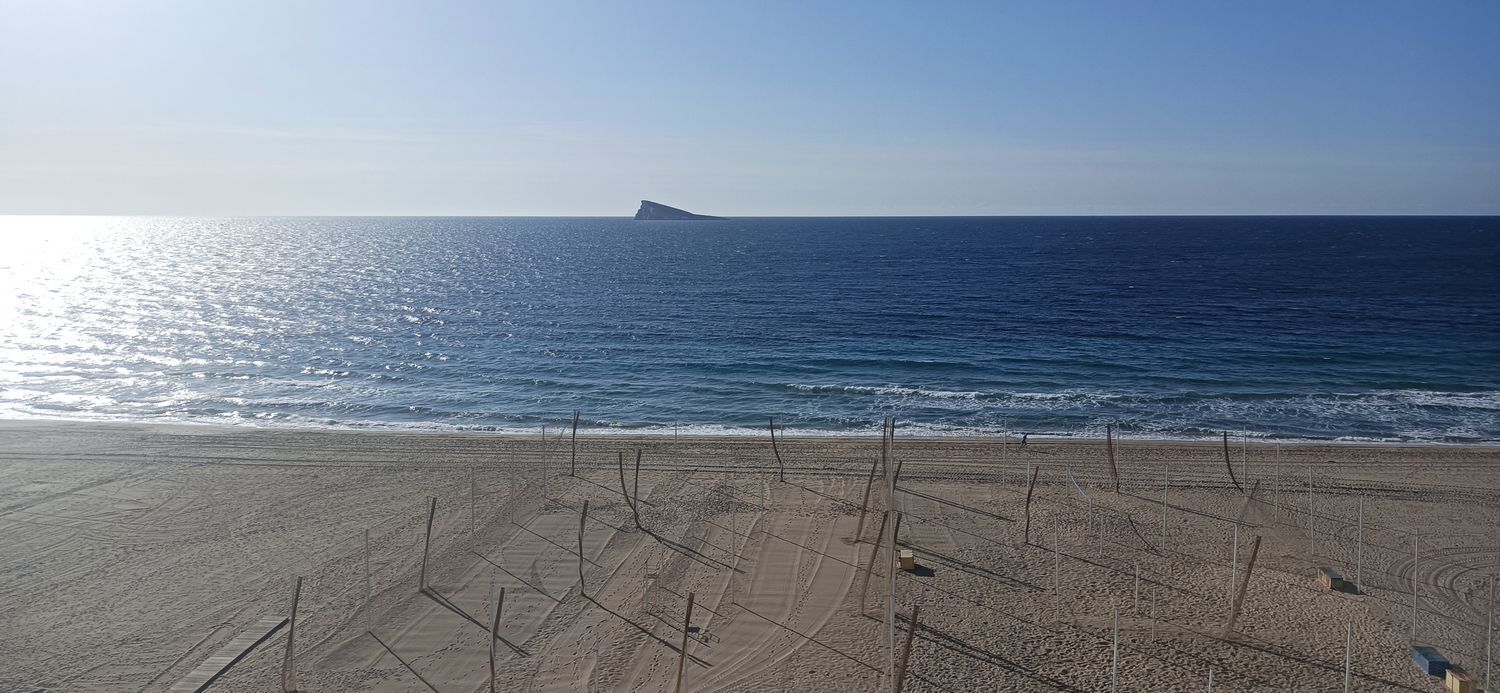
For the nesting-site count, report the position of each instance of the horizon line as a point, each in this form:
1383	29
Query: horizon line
760	216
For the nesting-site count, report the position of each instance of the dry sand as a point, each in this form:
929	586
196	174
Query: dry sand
130	554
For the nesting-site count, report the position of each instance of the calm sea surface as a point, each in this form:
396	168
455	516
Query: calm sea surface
1355	328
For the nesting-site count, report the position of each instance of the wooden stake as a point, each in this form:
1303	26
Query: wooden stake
620	460
427	541
1137	588
635	494
890	576
573	461
495	635
911	630
1239	599
289	663
864	505
581	517
1230	467
471	500
682	658
864	587
781	468
1109	447
1030	486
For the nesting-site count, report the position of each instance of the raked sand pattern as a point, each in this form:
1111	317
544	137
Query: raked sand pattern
132	553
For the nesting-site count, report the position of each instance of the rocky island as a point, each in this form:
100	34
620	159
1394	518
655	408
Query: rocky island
652	211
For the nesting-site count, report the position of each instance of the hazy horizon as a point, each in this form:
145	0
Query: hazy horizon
581	109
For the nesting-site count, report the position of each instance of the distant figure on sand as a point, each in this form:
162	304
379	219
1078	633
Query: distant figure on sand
1023	439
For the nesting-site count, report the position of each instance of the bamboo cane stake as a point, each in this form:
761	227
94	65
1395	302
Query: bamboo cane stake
781	468
1239	599
682	657
289	663
427	541
916	611
495	635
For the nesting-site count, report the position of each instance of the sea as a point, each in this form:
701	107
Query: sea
1348	329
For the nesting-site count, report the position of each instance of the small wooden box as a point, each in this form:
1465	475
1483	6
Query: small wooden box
1459	681
908	561
1331	579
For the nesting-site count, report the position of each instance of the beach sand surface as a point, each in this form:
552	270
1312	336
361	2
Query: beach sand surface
129	554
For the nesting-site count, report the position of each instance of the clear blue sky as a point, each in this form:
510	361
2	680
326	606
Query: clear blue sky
757	108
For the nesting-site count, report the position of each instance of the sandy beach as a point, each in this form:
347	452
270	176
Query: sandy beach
133	553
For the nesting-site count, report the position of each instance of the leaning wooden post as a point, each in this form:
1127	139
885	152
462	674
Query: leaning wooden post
635	491
687	622
1489	637
581	517
1114	665
1030	486
1239	599
288	664
864	506
1230	467
369	621
427	541
890	574
911	630
573	460
1109	447
870	570
495	635
620	459
781	468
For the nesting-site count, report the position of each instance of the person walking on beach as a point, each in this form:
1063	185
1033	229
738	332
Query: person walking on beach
1023	439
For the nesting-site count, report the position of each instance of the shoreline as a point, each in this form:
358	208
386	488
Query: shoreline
658	435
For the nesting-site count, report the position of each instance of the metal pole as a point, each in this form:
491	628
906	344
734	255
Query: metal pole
367	581
1114	667
289	664
1056	575
1359	549
1489	636
1348	650
687	622
1414	588
1234	560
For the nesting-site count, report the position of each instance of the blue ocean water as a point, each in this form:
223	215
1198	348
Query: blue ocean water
1344	328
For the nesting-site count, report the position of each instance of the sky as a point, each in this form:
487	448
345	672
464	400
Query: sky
751	108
